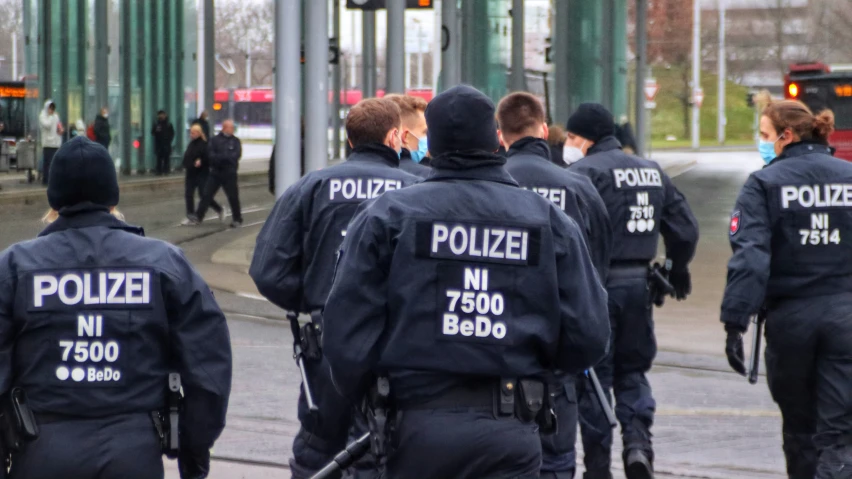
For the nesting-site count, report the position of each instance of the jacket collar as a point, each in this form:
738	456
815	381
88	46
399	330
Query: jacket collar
530	146
802	148
605	144
470	165
375	153
87	215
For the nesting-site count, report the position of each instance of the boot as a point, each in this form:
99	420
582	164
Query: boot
600	474
638	466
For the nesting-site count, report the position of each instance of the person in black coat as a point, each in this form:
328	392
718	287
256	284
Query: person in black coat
197	166
164	133
203	123
101	127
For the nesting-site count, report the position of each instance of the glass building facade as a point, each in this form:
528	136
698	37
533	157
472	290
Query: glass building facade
133	56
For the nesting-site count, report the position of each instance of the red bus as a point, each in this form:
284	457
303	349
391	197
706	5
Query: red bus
251	108
820	87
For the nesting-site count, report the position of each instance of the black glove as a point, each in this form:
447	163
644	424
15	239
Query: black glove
734	351
681	282
194	464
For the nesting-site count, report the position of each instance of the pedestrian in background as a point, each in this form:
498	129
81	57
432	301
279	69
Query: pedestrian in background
224	152
203	123
51	137
164	133
196	164
101	128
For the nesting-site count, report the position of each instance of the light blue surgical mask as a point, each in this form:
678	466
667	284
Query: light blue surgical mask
422	150
767	150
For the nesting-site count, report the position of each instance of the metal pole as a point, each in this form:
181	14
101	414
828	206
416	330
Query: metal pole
288	90
316	85
561	45
408	71
436	47
15	56
395	47
608	56
420	44
200	59
248	62
337	82
368	55
696	73
518	82
722	60
641	71
451	51
128	55
209	52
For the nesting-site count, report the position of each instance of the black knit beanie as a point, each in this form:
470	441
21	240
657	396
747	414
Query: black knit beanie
82	170
592	121
461	118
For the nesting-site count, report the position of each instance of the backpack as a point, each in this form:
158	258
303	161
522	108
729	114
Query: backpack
90	132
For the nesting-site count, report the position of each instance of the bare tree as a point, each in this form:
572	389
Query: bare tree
245	29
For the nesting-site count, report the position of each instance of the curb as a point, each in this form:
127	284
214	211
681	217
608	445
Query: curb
36	195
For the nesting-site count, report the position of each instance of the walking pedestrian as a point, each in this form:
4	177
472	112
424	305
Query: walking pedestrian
196	164
51	137
224	153
164	133
102	131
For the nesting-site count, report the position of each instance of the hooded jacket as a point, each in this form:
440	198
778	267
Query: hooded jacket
50	137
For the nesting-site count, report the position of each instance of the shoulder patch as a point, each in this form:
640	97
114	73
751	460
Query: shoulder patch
735	222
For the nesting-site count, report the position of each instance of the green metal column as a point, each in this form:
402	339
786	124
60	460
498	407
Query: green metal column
486	45
149	110
561	44
619	67
584	55
177	49
127	54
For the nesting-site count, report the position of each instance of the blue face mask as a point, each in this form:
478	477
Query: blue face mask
422	149
767	150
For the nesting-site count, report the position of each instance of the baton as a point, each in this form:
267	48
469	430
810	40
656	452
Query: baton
602	400
299	356
344	459
754	367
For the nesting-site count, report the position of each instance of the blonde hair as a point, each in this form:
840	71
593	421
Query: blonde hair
53	215
197	127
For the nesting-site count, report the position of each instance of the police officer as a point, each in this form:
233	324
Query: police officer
463	290
523	131
415	147
294	259
790	234
642	203
93	318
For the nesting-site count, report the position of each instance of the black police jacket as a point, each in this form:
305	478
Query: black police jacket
790	232
529	163
94	316
462	276
294	258
225	152
642	202
408	165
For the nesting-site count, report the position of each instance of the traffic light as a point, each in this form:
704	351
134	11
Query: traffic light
382	4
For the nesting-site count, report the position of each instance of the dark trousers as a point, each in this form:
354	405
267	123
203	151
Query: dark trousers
47	158
463	443
809	370
558	451
196	180
117	447
632	351
227	180
325	433
163	162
